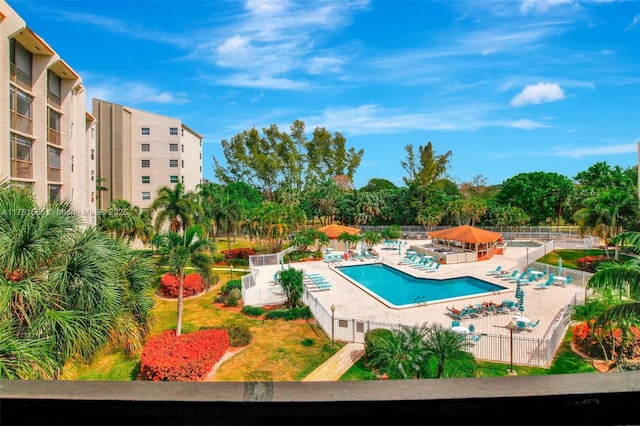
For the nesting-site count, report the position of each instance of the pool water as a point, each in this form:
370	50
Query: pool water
403	290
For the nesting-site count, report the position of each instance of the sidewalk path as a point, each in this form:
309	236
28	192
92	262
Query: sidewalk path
337	365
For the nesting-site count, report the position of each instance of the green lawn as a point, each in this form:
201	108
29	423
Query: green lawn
570	257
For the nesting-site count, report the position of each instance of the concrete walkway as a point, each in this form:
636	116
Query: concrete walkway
337	365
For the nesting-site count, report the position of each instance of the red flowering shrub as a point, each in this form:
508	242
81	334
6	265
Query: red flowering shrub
169	285
590	263
188	357
239	253
586	342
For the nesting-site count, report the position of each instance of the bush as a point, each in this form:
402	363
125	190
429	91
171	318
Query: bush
591	263
193	285
290	314
585	343
239	253
230	285
372	337
239	335
188	357
233	297
253	311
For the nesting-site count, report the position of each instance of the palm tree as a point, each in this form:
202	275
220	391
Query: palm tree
177	206
67	292
400	355
624	279
179	252
445	346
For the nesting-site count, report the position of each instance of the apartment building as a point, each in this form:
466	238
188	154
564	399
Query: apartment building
138	152
49	137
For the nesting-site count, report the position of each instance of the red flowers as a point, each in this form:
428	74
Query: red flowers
188	357
239	253
169	285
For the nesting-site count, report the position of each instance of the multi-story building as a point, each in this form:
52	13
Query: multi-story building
48	137
138	152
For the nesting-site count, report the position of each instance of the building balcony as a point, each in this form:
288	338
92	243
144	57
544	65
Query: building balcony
53	137
21	169
20	78
21	123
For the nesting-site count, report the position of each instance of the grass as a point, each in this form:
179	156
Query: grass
570	257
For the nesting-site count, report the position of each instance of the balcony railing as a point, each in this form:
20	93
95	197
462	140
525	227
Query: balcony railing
21	78
54	174
21	169
53	136
21	123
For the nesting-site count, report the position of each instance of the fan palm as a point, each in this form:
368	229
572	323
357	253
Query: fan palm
65	292
189	250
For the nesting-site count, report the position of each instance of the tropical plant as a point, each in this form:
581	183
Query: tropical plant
126	221
178	252
68	292
445	346
175	205
290	280
401	355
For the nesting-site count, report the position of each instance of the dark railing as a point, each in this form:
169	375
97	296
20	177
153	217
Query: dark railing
21	169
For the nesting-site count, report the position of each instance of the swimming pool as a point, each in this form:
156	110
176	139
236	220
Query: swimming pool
400	290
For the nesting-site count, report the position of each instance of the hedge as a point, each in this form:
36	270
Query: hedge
169	285
239	253
188	357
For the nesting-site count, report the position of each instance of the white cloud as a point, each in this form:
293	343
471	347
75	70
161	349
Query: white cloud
526	124
634	23
131	93
596	151
262	82
541	5
538	93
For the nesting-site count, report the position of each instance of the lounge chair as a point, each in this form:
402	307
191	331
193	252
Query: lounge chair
527	280
522	325
455	323
518	278
548	283
432	267
495	271
512	275
532	324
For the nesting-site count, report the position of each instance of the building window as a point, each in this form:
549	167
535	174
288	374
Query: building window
173	179
173	131
145	131
182	146
20	107
146	195
182	132
93	175
53	165
146	163
72	162
54	89
183	164
54	193
93	153
93	195
20	154
173	163
21	67
173	147
146	179
145	147
53	132
201	156
182	179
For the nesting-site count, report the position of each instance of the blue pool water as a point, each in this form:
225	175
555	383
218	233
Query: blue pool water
402	290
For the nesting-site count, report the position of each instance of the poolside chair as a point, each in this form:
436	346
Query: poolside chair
432	267
518	278
455	323
521	325
495	271
474	339
472	328
512	275
548	283
527	280
531	324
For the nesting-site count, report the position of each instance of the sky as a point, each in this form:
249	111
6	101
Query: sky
507	86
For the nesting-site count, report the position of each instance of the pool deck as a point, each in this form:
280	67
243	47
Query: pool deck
352	302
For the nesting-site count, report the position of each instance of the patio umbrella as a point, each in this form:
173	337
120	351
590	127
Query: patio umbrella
362	248
282	263
521	303
559	266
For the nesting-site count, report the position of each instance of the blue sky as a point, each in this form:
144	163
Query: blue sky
508	86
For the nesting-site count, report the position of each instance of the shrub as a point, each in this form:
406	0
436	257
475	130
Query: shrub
290	314
188	357
239	335
372	337
239	253
585	342
307	342
253	311
233	297
230	285
193	285
591	263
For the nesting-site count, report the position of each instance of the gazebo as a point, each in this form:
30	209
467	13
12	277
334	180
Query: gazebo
334	230
468	238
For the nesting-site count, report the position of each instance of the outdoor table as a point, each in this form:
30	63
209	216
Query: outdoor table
518	317
460	329
537	274
560	279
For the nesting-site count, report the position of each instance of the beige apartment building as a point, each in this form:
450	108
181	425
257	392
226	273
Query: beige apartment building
138	152
49	137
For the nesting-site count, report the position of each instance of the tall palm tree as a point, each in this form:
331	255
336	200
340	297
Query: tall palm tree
401	355
175	205
67	292
179	252
445	346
